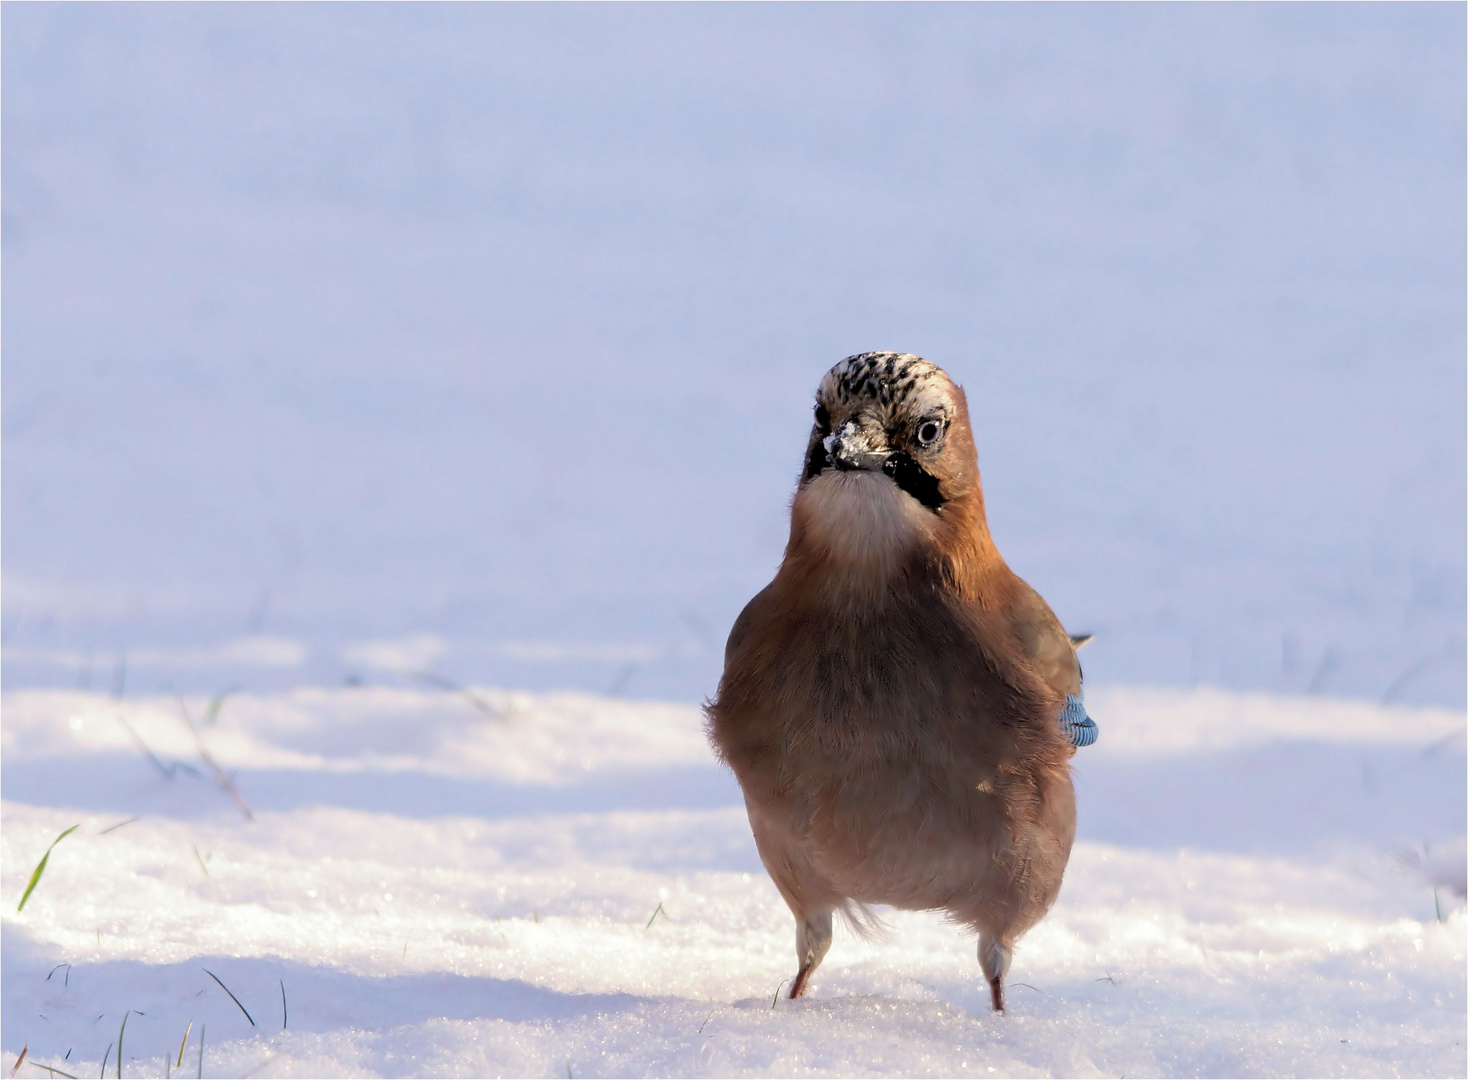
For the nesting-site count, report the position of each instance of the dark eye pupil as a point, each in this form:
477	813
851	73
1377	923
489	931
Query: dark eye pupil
928	432
823	418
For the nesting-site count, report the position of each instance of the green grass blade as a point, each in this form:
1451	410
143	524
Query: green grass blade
35	877
216	703
183	1043
41	867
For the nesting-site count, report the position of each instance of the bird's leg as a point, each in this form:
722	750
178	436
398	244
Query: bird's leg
994	956
812	939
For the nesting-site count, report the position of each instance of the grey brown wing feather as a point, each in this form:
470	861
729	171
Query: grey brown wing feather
742	624
1048	648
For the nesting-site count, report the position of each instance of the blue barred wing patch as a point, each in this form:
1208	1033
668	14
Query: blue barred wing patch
1079	728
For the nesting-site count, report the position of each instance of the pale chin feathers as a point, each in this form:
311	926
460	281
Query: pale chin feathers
861	517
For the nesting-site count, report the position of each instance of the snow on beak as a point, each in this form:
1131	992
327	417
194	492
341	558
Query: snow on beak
850	447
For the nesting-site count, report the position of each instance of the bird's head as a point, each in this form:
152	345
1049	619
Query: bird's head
890	461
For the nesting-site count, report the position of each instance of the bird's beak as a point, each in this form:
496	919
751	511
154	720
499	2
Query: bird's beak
849	448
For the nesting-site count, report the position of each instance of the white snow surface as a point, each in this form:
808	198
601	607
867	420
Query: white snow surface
480	883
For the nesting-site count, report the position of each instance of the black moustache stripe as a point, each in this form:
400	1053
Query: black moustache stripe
906	473
914	479
815	461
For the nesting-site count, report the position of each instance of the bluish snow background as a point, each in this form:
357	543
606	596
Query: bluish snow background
434	378
492	331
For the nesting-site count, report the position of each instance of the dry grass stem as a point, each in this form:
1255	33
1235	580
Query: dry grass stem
230	992
119	1042
444	683
52	1071
220	776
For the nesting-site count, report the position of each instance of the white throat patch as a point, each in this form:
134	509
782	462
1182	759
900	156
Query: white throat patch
861	516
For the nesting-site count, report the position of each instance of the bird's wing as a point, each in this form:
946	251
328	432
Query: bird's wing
747	618
1045	644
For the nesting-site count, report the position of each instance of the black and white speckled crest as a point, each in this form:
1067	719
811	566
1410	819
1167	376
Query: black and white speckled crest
901	380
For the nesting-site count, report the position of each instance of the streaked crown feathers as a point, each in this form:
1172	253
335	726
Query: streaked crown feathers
896	381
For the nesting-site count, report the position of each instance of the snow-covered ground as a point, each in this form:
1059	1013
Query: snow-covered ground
483	883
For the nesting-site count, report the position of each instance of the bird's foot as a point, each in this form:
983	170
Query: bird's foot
798	985
996	991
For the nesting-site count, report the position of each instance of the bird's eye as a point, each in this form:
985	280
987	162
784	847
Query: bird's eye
928	432
823	418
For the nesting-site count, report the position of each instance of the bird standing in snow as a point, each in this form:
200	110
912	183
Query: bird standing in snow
899	707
